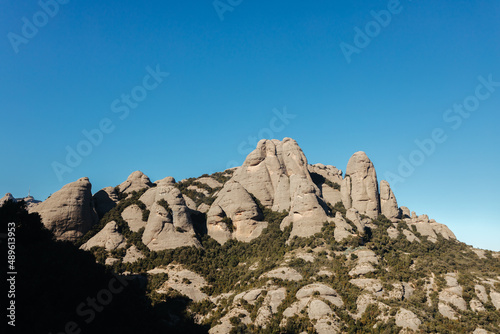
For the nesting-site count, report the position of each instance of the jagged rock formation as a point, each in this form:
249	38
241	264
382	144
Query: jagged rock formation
381	275
277	174
167	227
388	204
361	186
69	213
108	237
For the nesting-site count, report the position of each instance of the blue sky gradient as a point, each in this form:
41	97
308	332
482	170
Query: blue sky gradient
227	76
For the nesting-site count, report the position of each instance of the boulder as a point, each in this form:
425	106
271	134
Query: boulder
69	213
108	237
364	185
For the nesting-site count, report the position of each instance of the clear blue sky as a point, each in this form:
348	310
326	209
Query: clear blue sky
227	76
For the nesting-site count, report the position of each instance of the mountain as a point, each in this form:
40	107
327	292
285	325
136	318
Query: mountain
280	245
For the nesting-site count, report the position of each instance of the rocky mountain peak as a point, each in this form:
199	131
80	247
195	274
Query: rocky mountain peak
69	213
135	182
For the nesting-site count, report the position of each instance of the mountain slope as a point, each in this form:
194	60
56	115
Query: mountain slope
281	245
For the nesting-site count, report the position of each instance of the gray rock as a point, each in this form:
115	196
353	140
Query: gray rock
105	200
481	293
495	299
353	215
168	229
133	254
284	273
393	232
342	228
410	236
235	203
407	319
135	182
322	291
405	212
277	174
388	204
108	237
69	213
364	185
447	311
318	309
476	305
133	216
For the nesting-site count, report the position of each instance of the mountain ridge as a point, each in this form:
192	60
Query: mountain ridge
279	244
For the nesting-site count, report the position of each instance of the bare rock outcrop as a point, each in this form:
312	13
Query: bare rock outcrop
135	182
342	228
388	204
277	174
407	319
234	214
481	293
169	224
132	255
364	195
133	216
69	213
7	197
105	200
429	227
284	273
109	238
365	261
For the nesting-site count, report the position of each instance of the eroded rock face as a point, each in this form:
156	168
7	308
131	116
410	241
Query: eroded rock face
429	227
277	174
169	227
407	319
388	204
105	200
132	255
364	193
108	237
135	182
133	216
235	203
69	213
